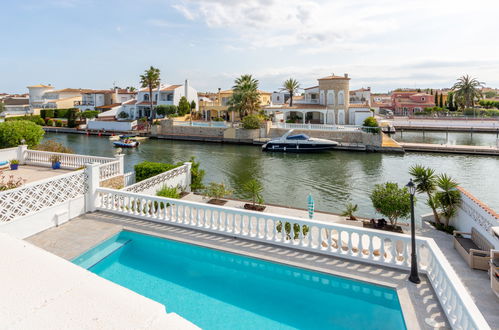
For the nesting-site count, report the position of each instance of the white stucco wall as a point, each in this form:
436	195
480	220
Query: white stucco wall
111	125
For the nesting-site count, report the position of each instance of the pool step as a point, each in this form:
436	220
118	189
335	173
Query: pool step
88	261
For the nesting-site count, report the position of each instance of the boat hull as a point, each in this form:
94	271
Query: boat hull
125	145
293	147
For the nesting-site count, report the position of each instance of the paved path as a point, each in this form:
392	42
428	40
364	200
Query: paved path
34	173
477	282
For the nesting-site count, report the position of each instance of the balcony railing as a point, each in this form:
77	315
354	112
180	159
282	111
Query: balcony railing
84	103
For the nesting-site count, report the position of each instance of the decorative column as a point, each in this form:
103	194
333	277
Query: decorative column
188	181
92	175
121	158
21	153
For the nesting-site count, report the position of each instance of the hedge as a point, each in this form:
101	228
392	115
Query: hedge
57	113
147	169
12	133
34	118
251	122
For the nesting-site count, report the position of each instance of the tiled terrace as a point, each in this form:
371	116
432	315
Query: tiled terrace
419	302
34	173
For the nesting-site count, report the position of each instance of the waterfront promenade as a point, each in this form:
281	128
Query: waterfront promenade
446	124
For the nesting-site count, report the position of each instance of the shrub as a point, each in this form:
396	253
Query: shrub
183	106
350	209
61	113
370	122
391	201
40	122
147	169
168	192
89	114
9	182
13	132
50	122
123	115
251	122
58	123
217	119
54	146
33	118
72	114
217	190
47	113
253	190
197	175
166	110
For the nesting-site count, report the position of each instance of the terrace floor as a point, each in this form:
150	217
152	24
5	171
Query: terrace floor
34	173
419	302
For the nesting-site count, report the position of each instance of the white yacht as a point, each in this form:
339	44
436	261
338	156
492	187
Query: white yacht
298	143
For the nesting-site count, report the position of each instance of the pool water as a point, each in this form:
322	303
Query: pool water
220	290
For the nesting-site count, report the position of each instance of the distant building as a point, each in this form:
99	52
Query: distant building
46	97
280	97
361	96
15	105
326	103
406	103
103	99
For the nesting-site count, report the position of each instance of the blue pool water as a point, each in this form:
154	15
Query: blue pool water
220	290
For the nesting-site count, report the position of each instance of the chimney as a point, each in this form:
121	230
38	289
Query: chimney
346	75
186	89
219	99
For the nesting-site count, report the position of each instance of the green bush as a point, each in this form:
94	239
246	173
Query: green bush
49	122
72	115
89	114
61	113
166	110
123	115
13	132
217	118
47	113
147	169
54	146
370	122
33	118
168	192
217	190
391	201
183	106
197	175
58	123
252	122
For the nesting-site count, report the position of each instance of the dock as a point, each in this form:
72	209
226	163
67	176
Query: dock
452	149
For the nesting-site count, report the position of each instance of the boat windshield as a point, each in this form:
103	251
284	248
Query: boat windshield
298	137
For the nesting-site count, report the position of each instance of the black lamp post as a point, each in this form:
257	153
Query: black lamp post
414	277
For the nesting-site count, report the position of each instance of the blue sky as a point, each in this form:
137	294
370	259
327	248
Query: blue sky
383	44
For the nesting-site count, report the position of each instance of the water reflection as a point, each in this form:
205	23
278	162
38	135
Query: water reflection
452	138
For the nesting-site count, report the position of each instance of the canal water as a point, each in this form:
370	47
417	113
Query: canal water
333	178
452	138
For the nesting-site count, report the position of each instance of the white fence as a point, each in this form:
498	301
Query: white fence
68	161
177	177
365	245
119	126
36	196
129	178
110	170
319	127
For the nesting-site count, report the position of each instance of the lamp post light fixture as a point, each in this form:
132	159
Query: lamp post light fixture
414	277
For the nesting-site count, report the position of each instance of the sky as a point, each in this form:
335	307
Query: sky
383	44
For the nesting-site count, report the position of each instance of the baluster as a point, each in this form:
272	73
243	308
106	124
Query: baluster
218	225
212	216
382	250
250	226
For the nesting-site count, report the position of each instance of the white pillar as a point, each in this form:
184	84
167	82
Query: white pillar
189	177
21	153
303	117
121	158
92	173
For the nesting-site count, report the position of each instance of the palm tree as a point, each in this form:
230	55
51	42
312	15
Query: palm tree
467	89
448	197
350	209
151	80
246	97
291	86
426	183
131	88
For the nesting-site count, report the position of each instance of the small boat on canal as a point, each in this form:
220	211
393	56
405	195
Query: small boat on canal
299	143
126	142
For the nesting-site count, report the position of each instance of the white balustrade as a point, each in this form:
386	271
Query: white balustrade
36	196
361	244
129	178
70	161
109	170
318	127
172	178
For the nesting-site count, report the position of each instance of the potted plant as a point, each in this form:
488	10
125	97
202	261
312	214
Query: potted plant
14	164
217	191
56	161
350	209
253	190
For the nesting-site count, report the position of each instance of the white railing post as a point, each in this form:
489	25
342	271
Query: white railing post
121	158
21	153
188	176
92	172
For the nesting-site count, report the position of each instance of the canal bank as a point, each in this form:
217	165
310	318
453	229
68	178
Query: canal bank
333	178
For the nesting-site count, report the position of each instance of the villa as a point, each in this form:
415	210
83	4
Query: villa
326	103
15	105
108	253
407	103
46	97
104	100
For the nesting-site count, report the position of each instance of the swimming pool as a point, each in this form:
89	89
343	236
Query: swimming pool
220	290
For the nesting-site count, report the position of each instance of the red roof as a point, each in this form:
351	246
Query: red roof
109	106
146	103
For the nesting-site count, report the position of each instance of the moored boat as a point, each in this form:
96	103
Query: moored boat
298	143
126	143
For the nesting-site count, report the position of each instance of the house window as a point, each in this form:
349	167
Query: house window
146	97
341	98
278	98
422	99
169	97
313	96
156	97
330	97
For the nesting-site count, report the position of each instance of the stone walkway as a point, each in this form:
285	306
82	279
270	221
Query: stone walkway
477	282
419	302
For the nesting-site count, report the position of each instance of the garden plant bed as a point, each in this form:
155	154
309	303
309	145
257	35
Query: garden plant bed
216	201
183	194
252	207
440	226
396	229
